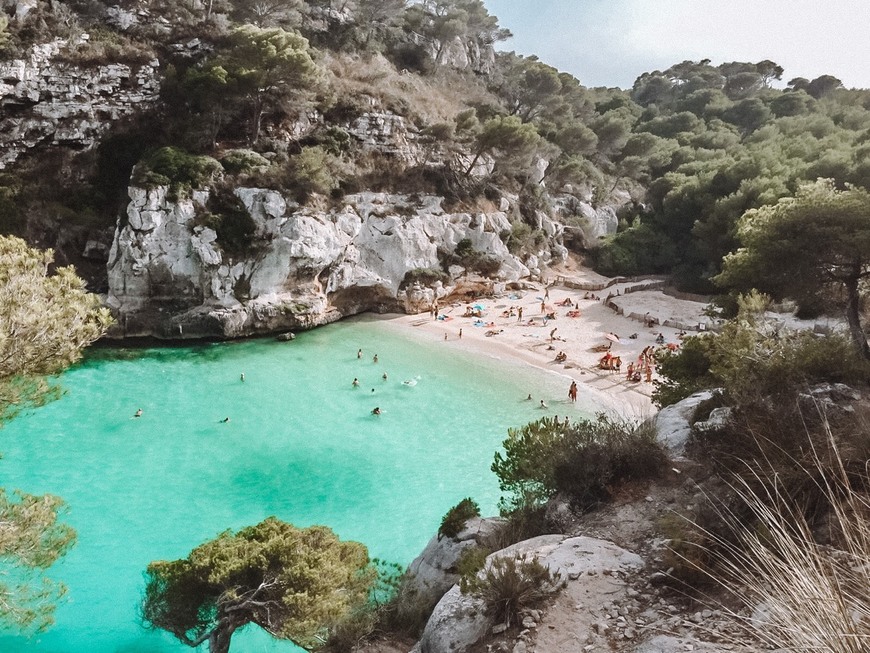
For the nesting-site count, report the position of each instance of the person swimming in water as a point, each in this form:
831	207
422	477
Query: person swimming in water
359	353
355	382
138	413
376	410
225	420
242	377
543	405
384	377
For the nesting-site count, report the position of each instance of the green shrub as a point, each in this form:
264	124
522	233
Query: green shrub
353	630
637	250
241	160
510	585
472	561
334	141
234	226
683	372
106	46
182	171
454	521
361	625
585	460
522	238
472	259
752	358
313	170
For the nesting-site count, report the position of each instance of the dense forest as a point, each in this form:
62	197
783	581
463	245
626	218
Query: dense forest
259	92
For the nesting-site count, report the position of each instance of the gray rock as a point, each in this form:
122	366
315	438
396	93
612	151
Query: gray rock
670	644
433	572
169	277
673	427
63	104
458	622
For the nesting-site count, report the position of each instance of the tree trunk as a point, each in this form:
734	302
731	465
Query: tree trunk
853	316
219	640
256	119
473	163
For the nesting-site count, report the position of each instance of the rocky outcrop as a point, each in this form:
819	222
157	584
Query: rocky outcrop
674	423
589	567
386	133
170	277
434	571
465	54
44	100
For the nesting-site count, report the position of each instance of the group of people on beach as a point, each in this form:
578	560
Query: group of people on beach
644	366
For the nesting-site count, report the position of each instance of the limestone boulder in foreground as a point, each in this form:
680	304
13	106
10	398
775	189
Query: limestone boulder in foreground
588	565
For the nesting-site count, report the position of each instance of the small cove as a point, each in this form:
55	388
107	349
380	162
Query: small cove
301	444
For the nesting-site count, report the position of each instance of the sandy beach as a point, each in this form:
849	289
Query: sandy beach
580	330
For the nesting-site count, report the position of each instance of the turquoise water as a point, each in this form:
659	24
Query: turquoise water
301	444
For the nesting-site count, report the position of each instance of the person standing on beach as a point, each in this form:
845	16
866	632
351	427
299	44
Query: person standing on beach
520	314
460	334
543	306
572	391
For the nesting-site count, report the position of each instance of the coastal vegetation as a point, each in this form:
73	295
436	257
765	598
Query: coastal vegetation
46	319
511	584
753	357
718	178
294	583
455	518
583	461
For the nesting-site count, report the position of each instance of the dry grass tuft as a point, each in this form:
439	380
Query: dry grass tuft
803	595
427	100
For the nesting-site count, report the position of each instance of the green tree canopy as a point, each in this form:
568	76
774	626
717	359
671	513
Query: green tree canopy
45	322
506	135
266	65
813	247
293	582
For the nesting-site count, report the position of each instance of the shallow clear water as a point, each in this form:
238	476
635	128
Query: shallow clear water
301	444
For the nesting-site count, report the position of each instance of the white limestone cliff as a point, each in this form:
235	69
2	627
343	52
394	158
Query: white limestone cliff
46	100
169	277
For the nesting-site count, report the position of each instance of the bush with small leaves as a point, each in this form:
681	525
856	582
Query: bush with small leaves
585	460
454	521
241	160
180	170
511	584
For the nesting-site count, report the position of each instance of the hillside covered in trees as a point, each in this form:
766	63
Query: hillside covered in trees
265	94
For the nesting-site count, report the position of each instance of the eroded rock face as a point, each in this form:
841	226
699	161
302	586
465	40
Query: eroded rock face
585	564
169	276
44	100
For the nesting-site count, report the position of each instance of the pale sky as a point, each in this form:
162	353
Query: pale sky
611	42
